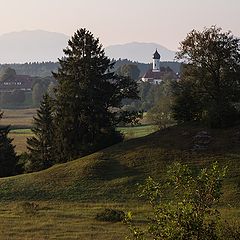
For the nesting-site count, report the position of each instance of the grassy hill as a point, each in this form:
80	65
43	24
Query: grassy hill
112	174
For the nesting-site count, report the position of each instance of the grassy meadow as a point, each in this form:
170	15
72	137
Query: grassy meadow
68	196
60	220
71	220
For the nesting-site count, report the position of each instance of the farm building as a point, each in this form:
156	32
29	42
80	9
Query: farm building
10	81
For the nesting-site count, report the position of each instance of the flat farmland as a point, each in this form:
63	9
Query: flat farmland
20	139
18	118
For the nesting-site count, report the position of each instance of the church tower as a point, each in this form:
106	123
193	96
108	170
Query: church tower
156	62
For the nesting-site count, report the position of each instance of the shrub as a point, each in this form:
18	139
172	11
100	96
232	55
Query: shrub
189	213
110	215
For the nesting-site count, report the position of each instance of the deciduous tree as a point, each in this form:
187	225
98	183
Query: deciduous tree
212	75
129	70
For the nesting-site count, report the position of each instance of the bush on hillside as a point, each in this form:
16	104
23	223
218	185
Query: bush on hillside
184	206
110	215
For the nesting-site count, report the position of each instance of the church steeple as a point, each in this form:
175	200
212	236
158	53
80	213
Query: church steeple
156	61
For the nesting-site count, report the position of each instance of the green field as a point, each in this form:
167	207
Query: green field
70	220
60	220
138	131
70	195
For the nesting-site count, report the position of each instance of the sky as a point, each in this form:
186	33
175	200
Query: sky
166	22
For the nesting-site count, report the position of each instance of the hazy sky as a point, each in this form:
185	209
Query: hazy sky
119	21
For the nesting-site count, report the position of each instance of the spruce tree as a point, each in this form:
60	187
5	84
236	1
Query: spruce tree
8	158
88	98
40	146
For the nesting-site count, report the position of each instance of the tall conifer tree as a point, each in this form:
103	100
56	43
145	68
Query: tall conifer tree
8	158
41	144
88	98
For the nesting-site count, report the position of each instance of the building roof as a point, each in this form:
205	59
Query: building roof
150	74
156	55
20	82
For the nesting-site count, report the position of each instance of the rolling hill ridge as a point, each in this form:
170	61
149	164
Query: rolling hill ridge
112	174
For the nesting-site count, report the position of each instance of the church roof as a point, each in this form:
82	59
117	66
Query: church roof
150	74
156	55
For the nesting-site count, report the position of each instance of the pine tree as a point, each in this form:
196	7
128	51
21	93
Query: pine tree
41	144
8	158
88	98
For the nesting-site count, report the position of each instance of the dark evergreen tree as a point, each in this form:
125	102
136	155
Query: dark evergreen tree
8	158
40	146
88	98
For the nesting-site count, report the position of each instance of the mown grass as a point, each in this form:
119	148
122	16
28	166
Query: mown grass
59	220
67	221
64	220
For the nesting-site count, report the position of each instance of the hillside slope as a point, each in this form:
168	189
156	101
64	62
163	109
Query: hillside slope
112	174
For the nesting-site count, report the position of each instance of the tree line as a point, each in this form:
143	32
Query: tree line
45	69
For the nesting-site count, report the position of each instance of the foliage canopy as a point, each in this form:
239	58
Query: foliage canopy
209	88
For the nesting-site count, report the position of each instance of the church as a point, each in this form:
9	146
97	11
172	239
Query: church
156	74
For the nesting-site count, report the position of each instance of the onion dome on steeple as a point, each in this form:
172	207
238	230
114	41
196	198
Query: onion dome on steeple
156	55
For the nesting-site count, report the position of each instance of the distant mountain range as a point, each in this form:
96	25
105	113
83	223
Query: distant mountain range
39	45
31	46
140	52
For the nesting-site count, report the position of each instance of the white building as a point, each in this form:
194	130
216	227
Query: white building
154	75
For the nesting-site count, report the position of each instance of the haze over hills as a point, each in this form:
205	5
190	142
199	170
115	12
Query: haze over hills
141	52
39	46
32	46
